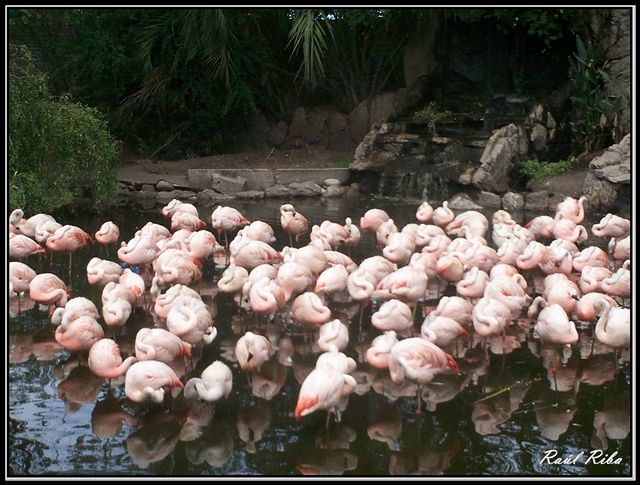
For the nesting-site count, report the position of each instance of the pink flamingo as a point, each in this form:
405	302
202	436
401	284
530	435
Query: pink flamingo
215	382
614	325
353	233
451	267
534	253
454	307
108	233
202	244
569	230
45	230
426	262
571	209
619	284
74	309
473	283
254	253
308	309
393	315
334	336
418	360
294	279
225	219
47	289
116	311
252	351
442	331
490	317
372	219
191	320
175	266
20	275
21	247
145	381
105	359
554	327
177	206
426	232
541	227
437	246
377	354
140	250
160	344
384	231
294	223
408	284
165	301
133	283
443	215
591	277
312	257
337	258
612	225
585	310
79	334
591	256
100	271
154	232
424	213
324	388
399	248
28	227
556	260
559	289
186	220
332	280
233	279
266	296
620	249
260	231
361	285
69	238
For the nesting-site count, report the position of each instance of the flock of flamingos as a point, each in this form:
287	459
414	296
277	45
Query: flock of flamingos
538	275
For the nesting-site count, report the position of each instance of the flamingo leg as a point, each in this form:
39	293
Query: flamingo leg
419	401
290	240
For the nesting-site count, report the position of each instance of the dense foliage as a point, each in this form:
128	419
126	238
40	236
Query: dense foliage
59	151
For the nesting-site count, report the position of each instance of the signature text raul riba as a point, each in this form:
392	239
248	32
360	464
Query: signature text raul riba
594	457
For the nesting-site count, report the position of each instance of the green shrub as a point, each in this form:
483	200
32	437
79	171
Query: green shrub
538	170
60	152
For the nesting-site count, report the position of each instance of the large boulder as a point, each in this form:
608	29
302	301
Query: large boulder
609	175
503	151
614	165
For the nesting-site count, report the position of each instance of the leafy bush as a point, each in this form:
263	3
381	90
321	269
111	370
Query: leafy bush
538	170
60	152
593	113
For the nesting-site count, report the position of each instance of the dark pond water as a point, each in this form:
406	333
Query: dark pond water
499	417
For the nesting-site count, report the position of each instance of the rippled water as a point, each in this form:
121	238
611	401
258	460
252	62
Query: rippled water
498	417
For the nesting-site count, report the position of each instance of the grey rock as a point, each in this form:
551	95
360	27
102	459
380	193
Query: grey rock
304	189
600	193
147	188
352	193
164	186
359	121
554	200
182	195
209	195
538	137
503	150
489	200
339	133
512	201
334	191
227	185
278	133
276	191
332	182
537	201
463	202
250	194
614	165
317	130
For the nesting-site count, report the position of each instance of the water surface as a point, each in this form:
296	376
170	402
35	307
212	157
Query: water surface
498	417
